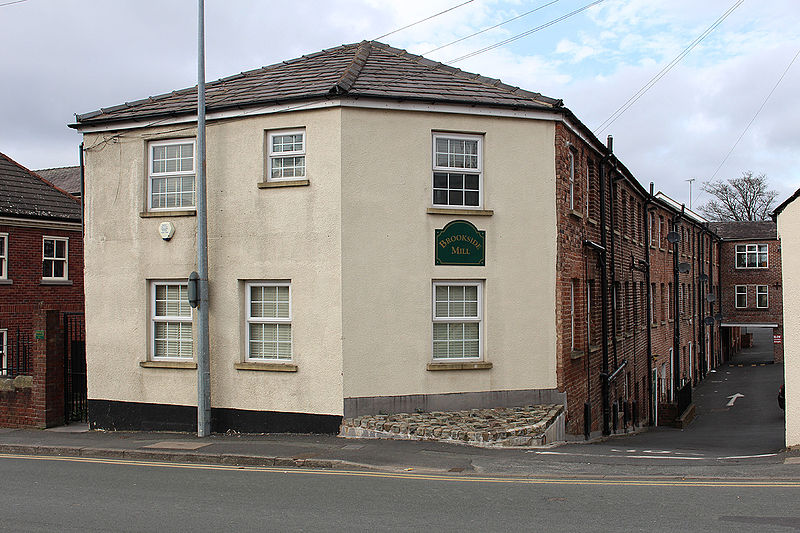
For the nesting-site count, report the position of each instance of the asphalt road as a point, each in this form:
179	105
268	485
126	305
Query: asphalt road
50	494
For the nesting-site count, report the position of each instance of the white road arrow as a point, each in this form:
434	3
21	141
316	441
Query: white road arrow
733	398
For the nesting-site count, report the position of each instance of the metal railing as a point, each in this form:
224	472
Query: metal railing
15	356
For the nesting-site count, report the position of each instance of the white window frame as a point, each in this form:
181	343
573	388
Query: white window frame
748	250
3	352
151	175
588	188
4	256
572	287
740	290
571	179
54	257
249	319
166	319
457	170
273	155
477	319
762	290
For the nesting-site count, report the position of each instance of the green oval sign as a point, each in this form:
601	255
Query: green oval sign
460	243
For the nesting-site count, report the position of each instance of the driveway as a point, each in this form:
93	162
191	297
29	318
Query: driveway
737	418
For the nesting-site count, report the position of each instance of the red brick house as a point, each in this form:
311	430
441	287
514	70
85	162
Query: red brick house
41	279
752	295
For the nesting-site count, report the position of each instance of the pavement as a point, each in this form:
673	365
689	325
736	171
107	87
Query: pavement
742	440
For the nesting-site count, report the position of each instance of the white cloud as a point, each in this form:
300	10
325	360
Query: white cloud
77	56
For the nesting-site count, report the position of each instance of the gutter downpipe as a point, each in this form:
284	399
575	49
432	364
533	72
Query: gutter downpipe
203	365
676	309
80	158
604	392
701	307
650	403
712	355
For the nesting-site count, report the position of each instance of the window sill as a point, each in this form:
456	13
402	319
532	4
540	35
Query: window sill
591	221
184	365
266	367
6	282
576	354
594	348
653	325
576	214
478	365
168	213
463	212
55	282
287	183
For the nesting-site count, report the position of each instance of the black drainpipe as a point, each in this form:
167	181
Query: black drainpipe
701	301
676	324
712	353
650	404
80	158
604	297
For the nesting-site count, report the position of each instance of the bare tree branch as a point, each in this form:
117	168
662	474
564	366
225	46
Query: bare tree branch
745	198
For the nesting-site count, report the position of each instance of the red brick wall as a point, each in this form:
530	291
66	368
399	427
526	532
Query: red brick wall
579	369
42	405
26	293
24	306
752	277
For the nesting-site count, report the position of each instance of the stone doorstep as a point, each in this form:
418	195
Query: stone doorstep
505	427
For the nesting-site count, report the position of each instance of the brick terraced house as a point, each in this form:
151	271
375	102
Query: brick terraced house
752	294
41	278
386	234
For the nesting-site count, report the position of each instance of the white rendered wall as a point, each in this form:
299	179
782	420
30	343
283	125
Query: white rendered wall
388	253
789	234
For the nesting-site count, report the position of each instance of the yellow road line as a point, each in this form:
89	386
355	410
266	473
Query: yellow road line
638	482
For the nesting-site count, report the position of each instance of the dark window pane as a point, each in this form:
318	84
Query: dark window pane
440	180
46	268
456	198
471	181
48	248
456	181
58	269
471	198
60	249
439	197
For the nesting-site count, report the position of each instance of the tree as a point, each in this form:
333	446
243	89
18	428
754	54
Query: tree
745	198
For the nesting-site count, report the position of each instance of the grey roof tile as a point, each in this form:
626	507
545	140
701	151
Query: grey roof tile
739	231
25	194
66	178
366	69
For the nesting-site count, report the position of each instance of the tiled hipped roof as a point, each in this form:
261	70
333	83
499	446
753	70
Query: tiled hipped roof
367	69
24	194
740	231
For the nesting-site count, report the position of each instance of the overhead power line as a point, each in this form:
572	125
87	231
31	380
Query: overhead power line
525	34
423	20
663	72
490	28
14	2
764	103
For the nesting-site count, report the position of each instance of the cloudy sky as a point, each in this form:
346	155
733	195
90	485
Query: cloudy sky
61	57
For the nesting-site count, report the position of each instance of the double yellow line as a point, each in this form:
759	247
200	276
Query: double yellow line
622	481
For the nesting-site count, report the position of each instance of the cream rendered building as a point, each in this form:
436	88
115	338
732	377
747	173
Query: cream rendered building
787	216
328	178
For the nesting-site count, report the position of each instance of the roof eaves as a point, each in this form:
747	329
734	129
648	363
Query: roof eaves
784	205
